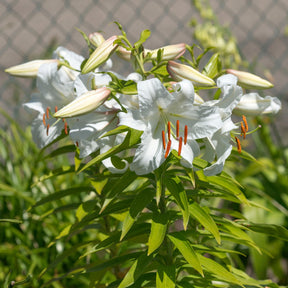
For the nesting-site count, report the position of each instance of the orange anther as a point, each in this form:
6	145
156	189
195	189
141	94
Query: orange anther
168	148
177	129
185	134
47	112
243	130
163	139
66	128
56	109
47	129
180	146
44	119
169	130
77	144
245	123
238	144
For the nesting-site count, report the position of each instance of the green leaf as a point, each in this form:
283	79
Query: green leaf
60	151
132	138
142	199
166	276
218	270
158	231
11	221
145	34
175	187
136	270
186	249
273	230
60	194
204	219
213	67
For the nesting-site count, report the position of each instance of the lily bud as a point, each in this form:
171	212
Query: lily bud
96	38
100	55
180	72
250	81
87	102
123	53
252	104
170	52
28	69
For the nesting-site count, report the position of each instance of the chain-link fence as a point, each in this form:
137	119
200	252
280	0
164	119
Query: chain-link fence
31	29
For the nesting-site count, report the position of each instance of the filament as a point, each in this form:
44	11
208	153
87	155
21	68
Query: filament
163	139
168	148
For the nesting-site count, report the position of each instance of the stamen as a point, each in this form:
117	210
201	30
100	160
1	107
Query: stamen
47	112
169	130
243	130
177	129
180	146
47	129
56	109
185	134
44	119
77	144
66	128
163	139
168	148
238	144
245	123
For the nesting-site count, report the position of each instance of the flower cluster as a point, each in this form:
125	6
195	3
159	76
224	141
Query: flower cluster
87	100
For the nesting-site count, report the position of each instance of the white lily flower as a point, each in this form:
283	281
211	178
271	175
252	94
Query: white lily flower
219	145
252	104
170	121
56	89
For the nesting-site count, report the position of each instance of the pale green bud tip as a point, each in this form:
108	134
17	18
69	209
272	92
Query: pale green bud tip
169	52
180	72
96	38
123	53
86	103
250	81
100	55
28	69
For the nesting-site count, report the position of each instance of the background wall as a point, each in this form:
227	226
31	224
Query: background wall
30	29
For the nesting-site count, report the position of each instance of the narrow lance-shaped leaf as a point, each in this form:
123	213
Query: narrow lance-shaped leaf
186	249
142	199
204	219
158	231
165	277
175	187
136	270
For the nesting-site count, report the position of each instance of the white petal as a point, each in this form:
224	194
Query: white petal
132	119
74	59
227	79
149	154
185	88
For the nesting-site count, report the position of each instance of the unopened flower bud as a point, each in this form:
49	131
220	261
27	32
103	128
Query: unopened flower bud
86	103
252	104
100	55
96	38
250	81
170	52
28	69
180	72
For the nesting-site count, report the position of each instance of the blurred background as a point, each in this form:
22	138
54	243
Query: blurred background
31	29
